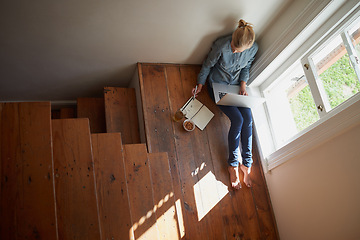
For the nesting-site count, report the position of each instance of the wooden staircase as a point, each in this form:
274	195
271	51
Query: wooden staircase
69	179
82	172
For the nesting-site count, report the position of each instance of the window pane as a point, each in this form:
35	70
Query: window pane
334	70
303	107
291	106
355	36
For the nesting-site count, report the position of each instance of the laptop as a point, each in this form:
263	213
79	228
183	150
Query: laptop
229	95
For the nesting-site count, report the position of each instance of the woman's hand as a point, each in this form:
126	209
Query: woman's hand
196	90
243	88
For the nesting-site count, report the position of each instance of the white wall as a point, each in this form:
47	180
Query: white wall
61	50
317	195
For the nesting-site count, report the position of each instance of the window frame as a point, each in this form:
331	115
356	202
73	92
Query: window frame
315	84
331	122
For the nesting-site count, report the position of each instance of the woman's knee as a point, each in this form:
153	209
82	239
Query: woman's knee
236	119
246	115
231	112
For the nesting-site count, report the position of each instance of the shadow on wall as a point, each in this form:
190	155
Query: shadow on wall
92	85
201	50
65	87
271	26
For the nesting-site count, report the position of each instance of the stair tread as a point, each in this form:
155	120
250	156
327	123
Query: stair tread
121	113
68	112
94	110
76	205
114	209
140	191
27	195
163	196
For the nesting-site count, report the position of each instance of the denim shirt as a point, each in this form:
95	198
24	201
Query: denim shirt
225	67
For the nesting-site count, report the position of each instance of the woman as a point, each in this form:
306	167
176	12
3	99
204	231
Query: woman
228	62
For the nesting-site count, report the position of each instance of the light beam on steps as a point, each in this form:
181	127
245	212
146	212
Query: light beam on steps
156	207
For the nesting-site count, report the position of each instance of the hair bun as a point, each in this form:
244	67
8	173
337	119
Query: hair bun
244	35
243	24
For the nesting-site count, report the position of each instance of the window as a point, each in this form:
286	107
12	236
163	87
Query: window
291	105
324	82
336	68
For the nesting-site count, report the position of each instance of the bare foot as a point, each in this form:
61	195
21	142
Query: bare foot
246	172
234	177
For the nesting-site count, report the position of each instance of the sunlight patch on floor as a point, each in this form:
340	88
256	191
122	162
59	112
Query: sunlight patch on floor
198	169
167	224
208	192
180	218
153	229
150	233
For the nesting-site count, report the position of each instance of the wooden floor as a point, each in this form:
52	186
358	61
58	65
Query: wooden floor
206	207
59	181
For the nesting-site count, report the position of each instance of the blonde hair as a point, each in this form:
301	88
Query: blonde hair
244	35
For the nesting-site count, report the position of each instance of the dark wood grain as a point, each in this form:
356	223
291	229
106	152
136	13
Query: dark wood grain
111	188
206	190
157	121
27	195
94	110
140	192
200	158
121	113
166	217
68	112
76	205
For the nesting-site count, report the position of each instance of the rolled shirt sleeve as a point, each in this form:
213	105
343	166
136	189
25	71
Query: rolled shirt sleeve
209	62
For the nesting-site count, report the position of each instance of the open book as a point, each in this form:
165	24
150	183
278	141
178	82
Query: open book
197	112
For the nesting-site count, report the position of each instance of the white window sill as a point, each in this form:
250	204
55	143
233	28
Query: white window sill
336	122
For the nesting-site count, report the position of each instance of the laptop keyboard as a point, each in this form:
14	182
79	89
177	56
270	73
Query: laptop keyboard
221	95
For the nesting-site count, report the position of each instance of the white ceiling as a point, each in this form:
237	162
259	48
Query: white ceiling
61	50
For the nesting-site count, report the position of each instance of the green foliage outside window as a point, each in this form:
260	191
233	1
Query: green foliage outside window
303	109
340	83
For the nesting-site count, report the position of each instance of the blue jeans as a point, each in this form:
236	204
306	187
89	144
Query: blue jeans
240	131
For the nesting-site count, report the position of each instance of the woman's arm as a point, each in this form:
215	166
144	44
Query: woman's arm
209	62
243	88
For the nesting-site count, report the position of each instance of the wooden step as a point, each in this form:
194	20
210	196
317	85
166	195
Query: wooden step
114	209
166	217
121	113
94	110
68	112
76	206
140	192
55	114
27	206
